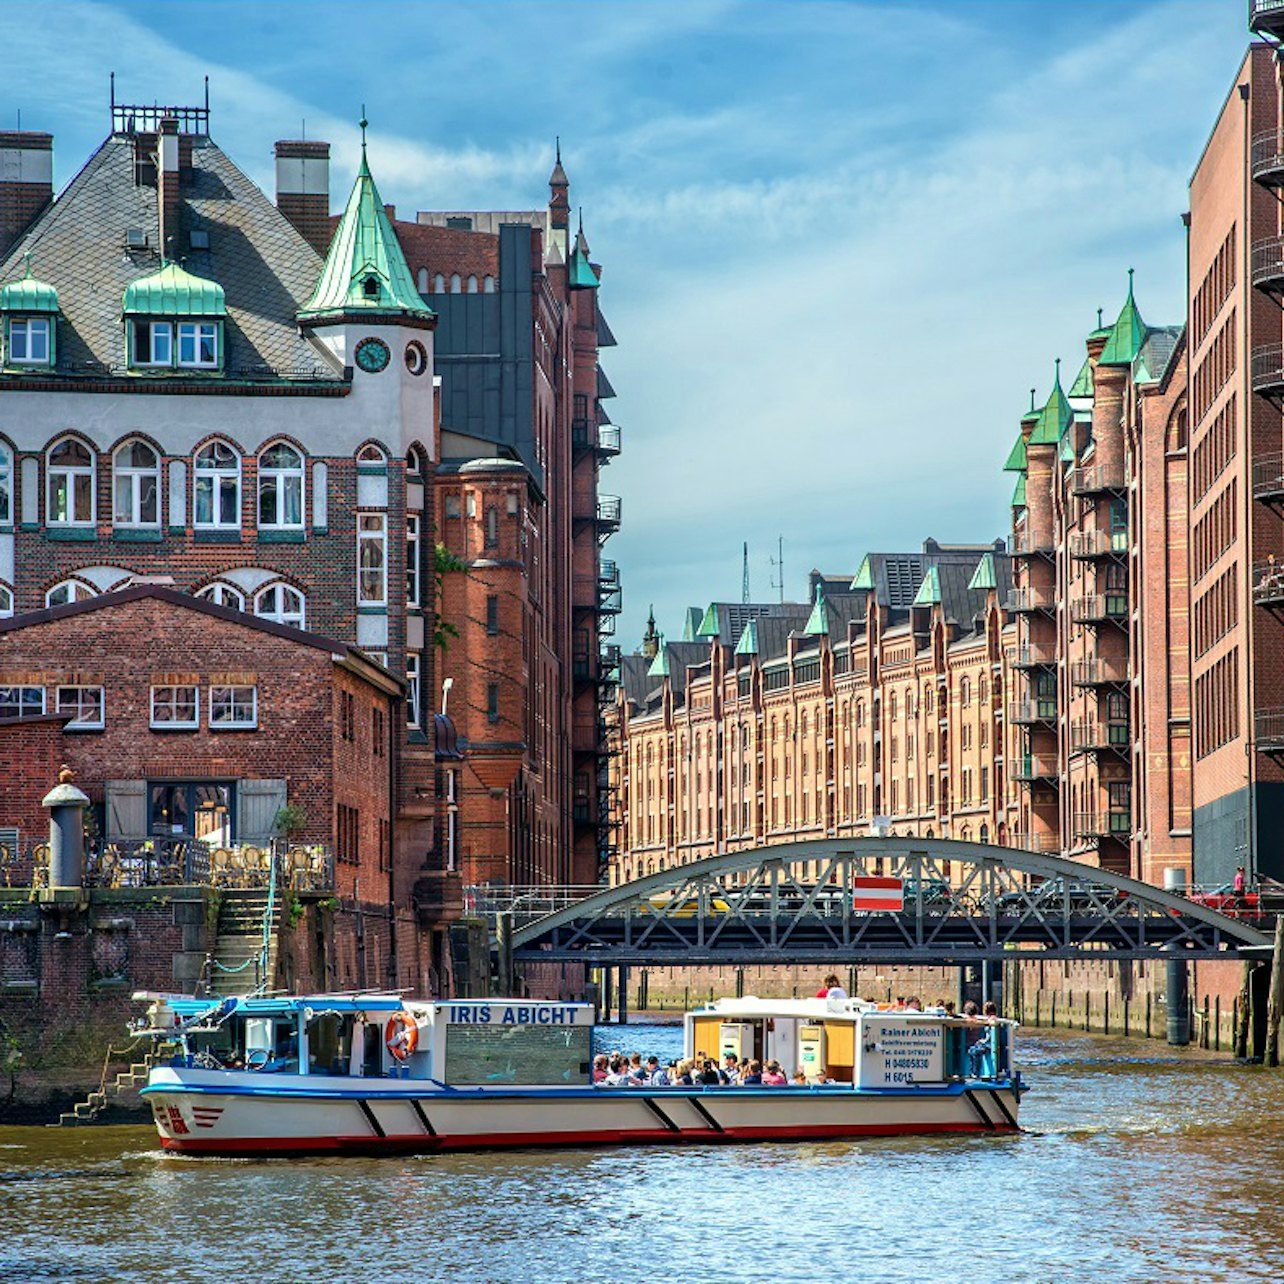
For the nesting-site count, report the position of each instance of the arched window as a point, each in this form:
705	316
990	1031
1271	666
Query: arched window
439	284
6	485
6	600
891	705
136	480
985	833
280	603
472	285
223	594
965	693
455	283
68	591
280	488
70	500
488	285
372	454
421	281
415	462
216	487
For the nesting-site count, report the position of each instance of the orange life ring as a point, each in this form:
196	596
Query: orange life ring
401	1035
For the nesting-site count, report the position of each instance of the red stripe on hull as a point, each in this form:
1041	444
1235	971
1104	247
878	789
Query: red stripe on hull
607	1137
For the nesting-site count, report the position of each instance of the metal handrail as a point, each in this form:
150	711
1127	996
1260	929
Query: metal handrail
1268	476
1266	367
1268	583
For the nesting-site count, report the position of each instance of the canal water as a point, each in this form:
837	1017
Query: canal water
1139	1164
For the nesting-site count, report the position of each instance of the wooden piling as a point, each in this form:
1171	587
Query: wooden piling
1053	1021
1127	1006
1148	1005
1217	1023
1276	996
1105	1013
1244	1013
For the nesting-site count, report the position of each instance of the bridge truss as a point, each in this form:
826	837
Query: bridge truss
964	903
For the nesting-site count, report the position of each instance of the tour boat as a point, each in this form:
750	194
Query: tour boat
366	1073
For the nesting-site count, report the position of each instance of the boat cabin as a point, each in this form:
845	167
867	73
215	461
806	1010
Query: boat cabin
851	1041
495	1042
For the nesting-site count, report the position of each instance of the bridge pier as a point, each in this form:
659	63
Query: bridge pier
624	995
1178	979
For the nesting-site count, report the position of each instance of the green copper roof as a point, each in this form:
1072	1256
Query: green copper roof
582	276
174	292
691	622
1082	386
708	627
1066	453
660	665
1033	413
1016	457
1102	330
28	294
929	592
748	644
365	270
1054	418
1018	494
818	621
984	576
865	576
1126	335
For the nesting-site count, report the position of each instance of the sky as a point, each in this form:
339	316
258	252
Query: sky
840	241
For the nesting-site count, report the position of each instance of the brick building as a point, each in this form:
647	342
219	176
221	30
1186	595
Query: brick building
180	716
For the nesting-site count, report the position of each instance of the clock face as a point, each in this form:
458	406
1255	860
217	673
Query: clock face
372	355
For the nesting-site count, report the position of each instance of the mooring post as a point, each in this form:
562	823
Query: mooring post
1276	997
1178	974
608	993
1243	1006
624	995
504	953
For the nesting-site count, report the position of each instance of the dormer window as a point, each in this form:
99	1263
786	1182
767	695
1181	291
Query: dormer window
29	310
28	341
153	343
174	320
198	344
371	287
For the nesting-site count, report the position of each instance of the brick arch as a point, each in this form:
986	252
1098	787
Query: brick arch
1177	436
146	438
226	438
274	439
388	455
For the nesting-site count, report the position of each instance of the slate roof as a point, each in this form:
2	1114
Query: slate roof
265	267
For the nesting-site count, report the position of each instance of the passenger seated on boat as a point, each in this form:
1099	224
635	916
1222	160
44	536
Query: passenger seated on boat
600	1068
754	1076
800	1076
730	1071
709	1075
636	1072
659	1074
773	1076
684	1076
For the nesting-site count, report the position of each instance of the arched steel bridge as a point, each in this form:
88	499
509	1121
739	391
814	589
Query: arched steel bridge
964	903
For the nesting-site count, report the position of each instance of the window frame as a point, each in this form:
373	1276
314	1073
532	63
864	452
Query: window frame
193	330
240	723
375	537
219	588
166	725
414	684
413	575
279	588
150	330
278	478
6	601
71	472
217	476
136	475
20	688
79	723
7	471
30	326
80	592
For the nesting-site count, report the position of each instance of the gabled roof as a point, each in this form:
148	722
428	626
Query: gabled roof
865	576
660	665
1018	492
709	625
818	621
1126	335
173	292
691	622
1082	386
1055	417
929	592
365	270
581	275
748	644
1017	461
984	578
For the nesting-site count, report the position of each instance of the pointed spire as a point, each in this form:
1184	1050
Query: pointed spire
365	270
865	576
709	625
1016	462
692	622
929	592
1018	492
748	644
651	640
1055	417
1126	335
581	275
818	621
984	577
1083	385
558	177
660	665
1033	413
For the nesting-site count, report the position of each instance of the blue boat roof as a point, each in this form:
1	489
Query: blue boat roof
294	1003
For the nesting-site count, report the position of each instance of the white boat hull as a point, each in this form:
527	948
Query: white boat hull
230	1113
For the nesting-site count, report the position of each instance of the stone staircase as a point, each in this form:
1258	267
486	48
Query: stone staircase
235	968
125	1082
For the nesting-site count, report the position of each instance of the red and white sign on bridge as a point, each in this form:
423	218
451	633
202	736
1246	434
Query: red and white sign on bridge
870	892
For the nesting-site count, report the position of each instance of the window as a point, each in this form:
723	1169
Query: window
492	614
378	735
452	505
22	702
175	708
415	462
347	716
372	455
412	691
280	603
85	703
233	707
29	341
412	559
439	284
347	835
68	591
203	809
198	344
223	595
372	559
421	281
154	343
472	285
136	478
488	285
6	485
281	488
71	484
492	527
455	283
492	701
6	601
216	487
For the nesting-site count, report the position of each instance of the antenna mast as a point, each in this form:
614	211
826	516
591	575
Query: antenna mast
744	586
778	562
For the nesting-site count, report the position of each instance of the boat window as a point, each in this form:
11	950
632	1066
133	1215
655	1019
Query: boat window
503	1054
330	1044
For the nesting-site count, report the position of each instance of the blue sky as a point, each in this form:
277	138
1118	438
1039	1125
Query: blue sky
841	241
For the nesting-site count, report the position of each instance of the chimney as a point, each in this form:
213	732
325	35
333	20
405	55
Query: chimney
303	189
167	186
26	183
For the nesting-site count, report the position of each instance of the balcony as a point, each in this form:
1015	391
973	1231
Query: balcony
1103	824
1097	479
1046	842
1268	265
1028	543
608	440
1268	585
1086	546
1100	737
1035	766
1266	371
1268	479
610	596
1025	601
1032	655
608	513
1099	672
1100	608
1266	18
1031	712
1267	158
1268	730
